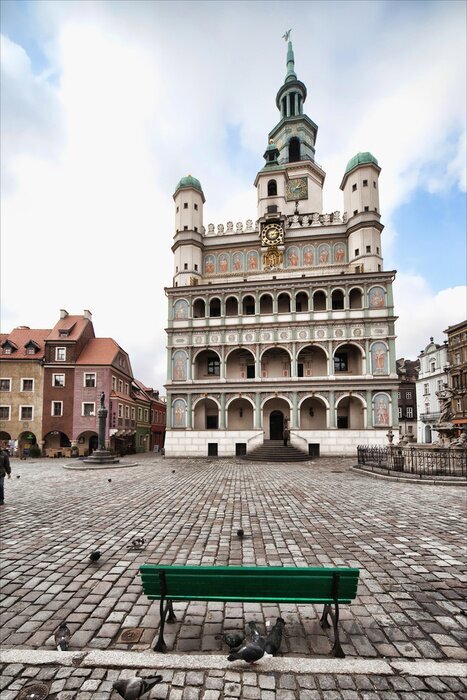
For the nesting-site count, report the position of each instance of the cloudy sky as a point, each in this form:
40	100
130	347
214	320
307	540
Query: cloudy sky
105	105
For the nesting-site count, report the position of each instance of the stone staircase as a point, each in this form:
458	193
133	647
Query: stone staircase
276	451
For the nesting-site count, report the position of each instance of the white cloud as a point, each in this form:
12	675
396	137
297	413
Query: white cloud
145	93
424	313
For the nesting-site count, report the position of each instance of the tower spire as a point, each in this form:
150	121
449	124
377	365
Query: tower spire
291	75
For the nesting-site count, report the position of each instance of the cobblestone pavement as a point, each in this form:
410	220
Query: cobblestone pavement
407	539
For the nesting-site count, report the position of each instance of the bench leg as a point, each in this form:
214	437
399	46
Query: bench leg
336	650
160	644
171	616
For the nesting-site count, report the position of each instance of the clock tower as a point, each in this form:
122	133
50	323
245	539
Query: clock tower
291	181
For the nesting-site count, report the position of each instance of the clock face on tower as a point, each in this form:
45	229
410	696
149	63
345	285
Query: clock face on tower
272	234
297	189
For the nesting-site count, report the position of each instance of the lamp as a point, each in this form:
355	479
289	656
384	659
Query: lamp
311	412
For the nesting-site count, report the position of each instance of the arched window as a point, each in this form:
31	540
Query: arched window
272	188
294	149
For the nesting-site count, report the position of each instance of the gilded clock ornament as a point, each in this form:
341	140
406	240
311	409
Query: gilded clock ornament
272	234
297	189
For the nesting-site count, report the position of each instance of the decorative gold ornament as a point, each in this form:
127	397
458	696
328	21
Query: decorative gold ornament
272	259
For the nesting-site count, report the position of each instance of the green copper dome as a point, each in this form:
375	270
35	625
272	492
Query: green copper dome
189	181
360	159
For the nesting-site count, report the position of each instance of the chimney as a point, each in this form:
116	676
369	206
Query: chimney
63	313
87	314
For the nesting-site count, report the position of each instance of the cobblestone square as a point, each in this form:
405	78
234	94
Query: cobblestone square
407	539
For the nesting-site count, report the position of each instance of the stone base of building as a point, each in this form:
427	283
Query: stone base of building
230	443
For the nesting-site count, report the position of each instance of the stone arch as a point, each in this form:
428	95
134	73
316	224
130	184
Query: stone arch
349	358
231	305
199	307
240	363
240	413
266	303
337	299
313	411
206	364
320	300
302	301
312	360
356	298
214	307
206	411
350	412
283	303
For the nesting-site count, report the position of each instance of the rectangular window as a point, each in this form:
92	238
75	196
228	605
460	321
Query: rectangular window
214	366
127	389
426	389
140	414
185	266
89	379
196	207
26	412
146	415
185	205
410	429
60	354
120	385
459	405
114	383
127	412
365	183
4	412
366	208
357	251
57	408
340	362
408	394
377	251
88	409
120	410
354	188
368	249
440	384
31	350
342	422
374	184
355	212
5	384
432	366
398	394
196	267
250	371
133	413
409	412
58	380
400	412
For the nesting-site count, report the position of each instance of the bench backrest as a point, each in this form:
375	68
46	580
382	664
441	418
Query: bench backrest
280	584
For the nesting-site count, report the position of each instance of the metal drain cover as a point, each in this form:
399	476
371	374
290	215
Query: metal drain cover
35	691
130	635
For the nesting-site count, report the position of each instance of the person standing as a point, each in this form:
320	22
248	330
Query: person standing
4	469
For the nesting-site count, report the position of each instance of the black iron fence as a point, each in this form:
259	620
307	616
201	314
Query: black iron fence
423	463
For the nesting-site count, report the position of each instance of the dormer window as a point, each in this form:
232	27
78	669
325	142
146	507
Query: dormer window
8	347
31	348
63	333
272	188
60	354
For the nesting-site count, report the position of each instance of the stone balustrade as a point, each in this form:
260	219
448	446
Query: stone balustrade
293	221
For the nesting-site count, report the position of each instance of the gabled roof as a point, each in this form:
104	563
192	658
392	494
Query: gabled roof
103	351
75	325
20	338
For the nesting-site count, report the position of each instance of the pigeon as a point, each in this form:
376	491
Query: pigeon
134	688
137	542
109	480
173	471
62	637
253	634
95	556
18	476
248	652
240	533
274	638
232	639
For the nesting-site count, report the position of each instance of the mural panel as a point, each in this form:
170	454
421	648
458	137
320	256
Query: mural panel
381	410
253	260
376	298
379	358
308	255
179	413
223	263
339	253
292	257
179	366
209	264
180	309
237	262
323	254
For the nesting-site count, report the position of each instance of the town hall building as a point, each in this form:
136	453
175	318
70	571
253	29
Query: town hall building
285	322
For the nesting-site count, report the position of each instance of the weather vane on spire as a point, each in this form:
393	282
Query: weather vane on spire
287	35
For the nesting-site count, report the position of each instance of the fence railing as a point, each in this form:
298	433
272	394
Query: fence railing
422	463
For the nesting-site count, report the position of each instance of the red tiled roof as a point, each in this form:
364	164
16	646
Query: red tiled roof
20	337
99	351
74	324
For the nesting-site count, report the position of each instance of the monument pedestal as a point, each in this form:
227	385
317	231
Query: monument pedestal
101	455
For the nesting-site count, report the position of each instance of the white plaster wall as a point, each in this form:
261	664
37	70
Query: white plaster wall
338	442
194	443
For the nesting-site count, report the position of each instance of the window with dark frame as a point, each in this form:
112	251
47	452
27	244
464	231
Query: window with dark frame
214	366
341	362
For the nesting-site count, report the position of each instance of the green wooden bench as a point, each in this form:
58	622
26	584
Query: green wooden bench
330	587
